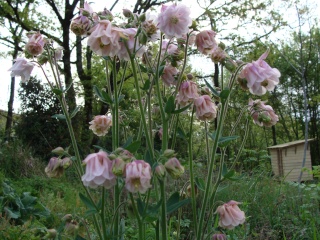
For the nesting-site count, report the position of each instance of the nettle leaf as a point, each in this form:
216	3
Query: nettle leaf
173	202
133	147
59	116
225	141
214	92
169	108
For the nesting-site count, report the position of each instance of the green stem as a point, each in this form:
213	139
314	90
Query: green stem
193	194
103	217
115	135
163	210
142	112
116	212
135	211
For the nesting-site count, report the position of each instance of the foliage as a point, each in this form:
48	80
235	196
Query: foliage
20	208
36	127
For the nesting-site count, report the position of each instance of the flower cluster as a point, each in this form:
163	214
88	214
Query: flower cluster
262	114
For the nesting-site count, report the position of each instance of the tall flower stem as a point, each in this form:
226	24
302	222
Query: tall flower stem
142	111
193	194
135	211
163	210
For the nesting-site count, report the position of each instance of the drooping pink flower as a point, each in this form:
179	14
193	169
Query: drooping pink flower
218	55
260	76
35	44
230	215
219	236
174	168
138	176
98	171
22	68
262	114
169	74
206	42
174	20
188	92
104	39
130	34
168	47
80	25
100	125
206	110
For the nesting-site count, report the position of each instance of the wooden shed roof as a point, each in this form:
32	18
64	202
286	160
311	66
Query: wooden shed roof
290	144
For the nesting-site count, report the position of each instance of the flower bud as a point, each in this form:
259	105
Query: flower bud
71	227
189	76
42	59
58	53
230	64
174	168
67	218
127	13
59	151
51	234
142	17
219	236
168	153
222	45
105	15
194	25
160	171
118	167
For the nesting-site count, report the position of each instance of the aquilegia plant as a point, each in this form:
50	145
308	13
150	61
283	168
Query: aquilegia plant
136	172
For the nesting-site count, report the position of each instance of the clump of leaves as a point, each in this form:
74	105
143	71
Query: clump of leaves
20	208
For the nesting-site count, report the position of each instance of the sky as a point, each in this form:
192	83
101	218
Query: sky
205	65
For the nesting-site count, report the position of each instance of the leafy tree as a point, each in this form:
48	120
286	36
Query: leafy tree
36	127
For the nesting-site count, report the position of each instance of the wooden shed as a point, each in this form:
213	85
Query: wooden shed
286	160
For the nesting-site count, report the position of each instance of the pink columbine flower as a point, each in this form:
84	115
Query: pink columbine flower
219	236
174	20
98	171
206	110
100	125
80	25
263	115
218	55
168	48
130	34
104	39
174	168
260	76
188	92
35	44
230	215
138	176
22	68
206	42
150	27
169	74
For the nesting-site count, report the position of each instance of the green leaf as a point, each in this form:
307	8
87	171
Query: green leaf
104	97
225	141
75	111
200	183
173	202
214	92
89	204
120	98
224	94
68	87
180	110
133	147
181	133
57	91
169	108
11	213
140	206
59	116
90	212
229	174
146	85
128	142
